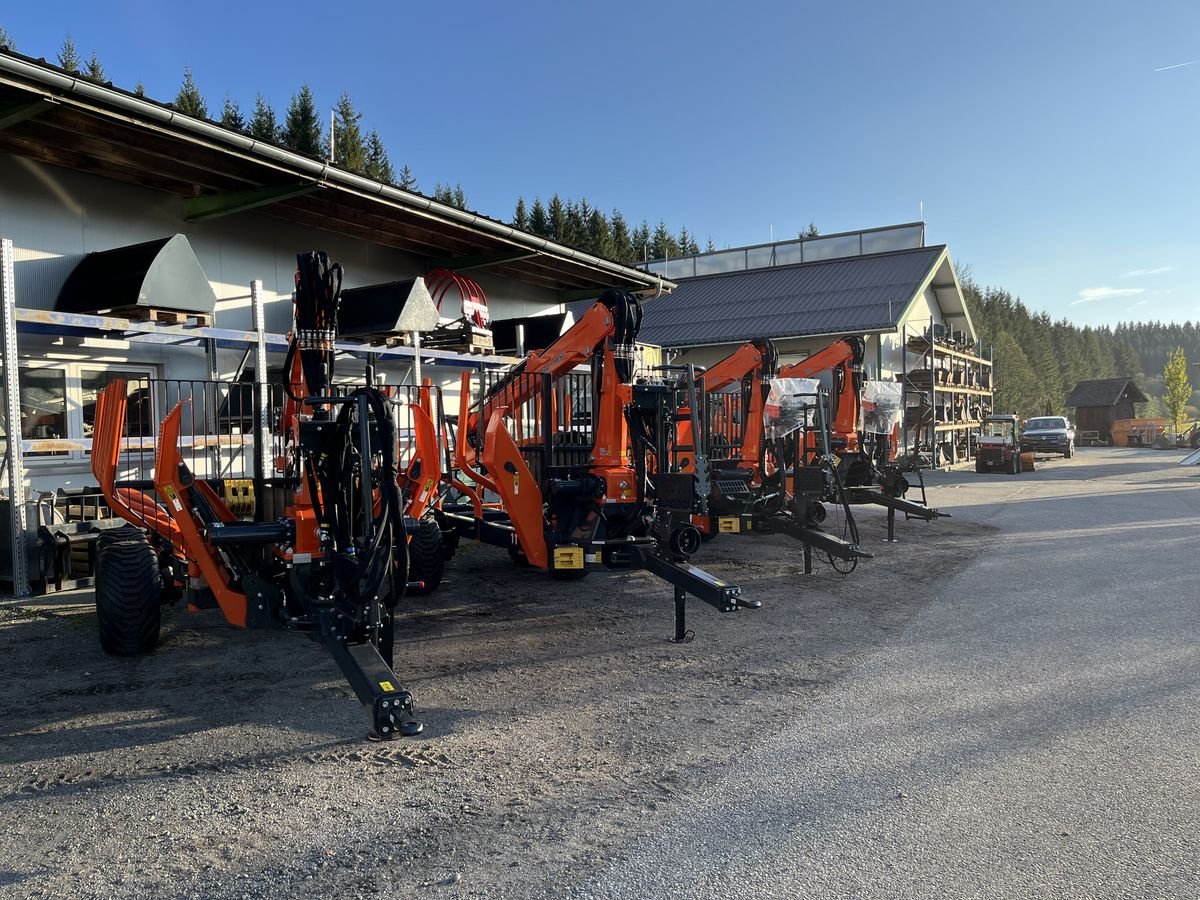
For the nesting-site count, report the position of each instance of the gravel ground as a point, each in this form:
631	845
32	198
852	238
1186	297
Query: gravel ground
570	748
1033	732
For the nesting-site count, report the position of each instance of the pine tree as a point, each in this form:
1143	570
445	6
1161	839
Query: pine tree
95	71
188	100
379	167
68	56
557	212
6	40
459	198
539	219
231	115
521	216
443	193
302	130
573	227
263	125
641	242
622	243
811	231
139	89
685	240
408	180
709	246
1016	384
599	236
349	151
662	244
1177	388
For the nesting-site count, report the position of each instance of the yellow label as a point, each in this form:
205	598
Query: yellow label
568	557
516	484
428	485
172	496
729	524
387	686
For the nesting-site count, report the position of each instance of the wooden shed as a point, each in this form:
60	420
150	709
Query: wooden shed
1098	404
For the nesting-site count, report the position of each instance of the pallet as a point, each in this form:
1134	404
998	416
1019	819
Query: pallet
455	342
161	316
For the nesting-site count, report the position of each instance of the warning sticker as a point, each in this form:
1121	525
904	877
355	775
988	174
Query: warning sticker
729	525
387	686
173	497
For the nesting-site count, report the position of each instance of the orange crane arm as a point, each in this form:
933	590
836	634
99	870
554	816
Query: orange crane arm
844	359
572	349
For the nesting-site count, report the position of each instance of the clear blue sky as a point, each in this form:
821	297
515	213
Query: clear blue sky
1049	153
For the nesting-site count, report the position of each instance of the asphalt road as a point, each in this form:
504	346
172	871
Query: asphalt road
1032	733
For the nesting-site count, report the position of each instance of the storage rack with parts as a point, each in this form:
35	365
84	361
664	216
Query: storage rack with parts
46	542
947	389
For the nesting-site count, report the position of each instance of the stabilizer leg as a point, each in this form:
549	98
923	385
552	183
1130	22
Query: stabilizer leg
375	685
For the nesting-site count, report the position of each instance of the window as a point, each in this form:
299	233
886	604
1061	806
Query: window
44	407
58	402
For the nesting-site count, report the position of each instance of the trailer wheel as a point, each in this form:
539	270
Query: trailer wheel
128	592
426	556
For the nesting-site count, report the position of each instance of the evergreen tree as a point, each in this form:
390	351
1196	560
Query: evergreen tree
231	115
557	213
622	243
188	100
521	216
408	180
139	89
68	56
349	151
811	231
6	40
95	71
1177	387
1016	384
263	125
599	236
379	167
539	219
710	247
1127	362
685	240
302	130
641	242
459	198
573	226
662	244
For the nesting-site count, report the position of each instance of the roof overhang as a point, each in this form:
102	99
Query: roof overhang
61	119
942	280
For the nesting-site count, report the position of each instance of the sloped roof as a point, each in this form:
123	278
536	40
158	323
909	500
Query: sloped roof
852	295
1104	392
62	119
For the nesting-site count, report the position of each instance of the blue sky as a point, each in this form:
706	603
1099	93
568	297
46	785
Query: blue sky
1048	151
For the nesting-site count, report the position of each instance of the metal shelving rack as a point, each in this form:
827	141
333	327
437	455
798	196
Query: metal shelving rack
952	389
13	319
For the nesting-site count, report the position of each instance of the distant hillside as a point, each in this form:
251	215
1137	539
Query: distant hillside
1039	361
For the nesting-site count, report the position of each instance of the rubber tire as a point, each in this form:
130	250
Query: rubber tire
426	557
980	467
706	536
1070	451
128	592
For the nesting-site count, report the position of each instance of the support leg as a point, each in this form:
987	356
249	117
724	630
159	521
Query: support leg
682	635
891	538
807	559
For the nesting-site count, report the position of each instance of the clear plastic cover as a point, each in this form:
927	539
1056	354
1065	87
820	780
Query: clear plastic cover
791	404
882	406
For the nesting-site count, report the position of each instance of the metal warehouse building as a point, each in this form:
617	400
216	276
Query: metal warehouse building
86	168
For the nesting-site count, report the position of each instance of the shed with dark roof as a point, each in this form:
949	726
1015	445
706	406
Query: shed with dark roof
1099	403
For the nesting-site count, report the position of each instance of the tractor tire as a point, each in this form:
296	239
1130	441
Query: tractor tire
706	536
128	593
980	467
426	557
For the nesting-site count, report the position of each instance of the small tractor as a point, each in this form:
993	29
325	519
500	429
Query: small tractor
998	445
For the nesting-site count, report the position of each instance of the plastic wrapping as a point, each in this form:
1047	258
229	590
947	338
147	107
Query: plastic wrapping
882	406
791	405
